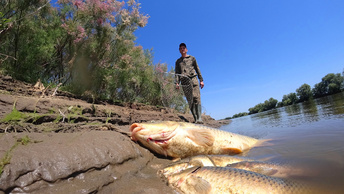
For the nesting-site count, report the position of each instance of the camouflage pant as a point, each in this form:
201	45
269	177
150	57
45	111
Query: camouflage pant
191	90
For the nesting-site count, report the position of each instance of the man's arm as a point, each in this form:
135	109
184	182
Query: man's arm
177	73
198	71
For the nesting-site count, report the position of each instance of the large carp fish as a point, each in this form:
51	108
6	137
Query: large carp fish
262	167
232	180
232	174
180	139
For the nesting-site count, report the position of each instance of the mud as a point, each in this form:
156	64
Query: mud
59	143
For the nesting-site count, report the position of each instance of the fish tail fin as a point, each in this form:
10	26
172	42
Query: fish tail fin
263	143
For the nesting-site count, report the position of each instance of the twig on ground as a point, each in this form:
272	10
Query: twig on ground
57	87
7	128
64	116
44	90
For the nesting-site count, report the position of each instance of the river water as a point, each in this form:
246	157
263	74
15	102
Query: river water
307	136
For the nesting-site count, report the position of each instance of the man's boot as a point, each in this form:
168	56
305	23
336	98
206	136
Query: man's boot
199	114
194	112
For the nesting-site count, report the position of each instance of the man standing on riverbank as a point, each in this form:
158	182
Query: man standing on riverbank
187	71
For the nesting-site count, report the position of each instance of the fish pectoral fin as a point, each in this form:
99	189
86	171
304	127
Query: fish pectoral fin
231	150
194	184
201	137
269	172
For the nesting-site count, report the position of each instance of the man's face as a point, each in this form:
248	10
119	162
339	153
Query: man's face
183	50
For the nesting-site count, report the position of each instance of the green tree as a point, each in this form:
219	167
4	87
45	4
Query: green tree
100	53
256	109
319	90
3	23
89	46
270	104
330	84
267	105
304	92
27	44
289	99
170	96
238	115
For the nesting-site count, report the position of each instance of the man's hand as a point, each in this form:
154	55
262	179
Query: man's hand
202	85
177	86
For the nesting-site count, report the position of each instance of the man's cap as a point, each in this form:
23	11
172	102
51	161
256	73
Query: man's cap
182	44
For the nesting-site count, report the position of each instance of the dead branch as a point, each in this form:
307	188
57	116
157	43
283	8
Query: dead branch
63	115
6	56
57	87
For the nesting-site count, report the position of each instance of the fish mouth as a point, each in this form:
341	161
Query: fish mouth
134	128
159	138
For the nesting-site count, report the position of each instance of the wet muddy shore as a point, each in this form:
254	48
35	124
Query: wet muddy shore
58	143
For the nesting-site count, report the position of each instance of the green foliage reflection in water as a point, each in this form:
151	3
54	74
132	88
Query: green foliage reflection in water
330	84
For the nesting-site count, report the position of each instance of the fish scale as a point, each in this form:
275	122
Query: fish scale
232	180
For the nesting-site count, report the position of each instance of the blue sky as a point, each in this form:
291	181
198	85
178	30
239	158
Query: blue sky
248	51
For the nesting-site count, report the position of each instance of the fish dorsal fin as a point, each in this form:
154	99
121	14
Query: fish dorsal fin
229	150
201	137
194	184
